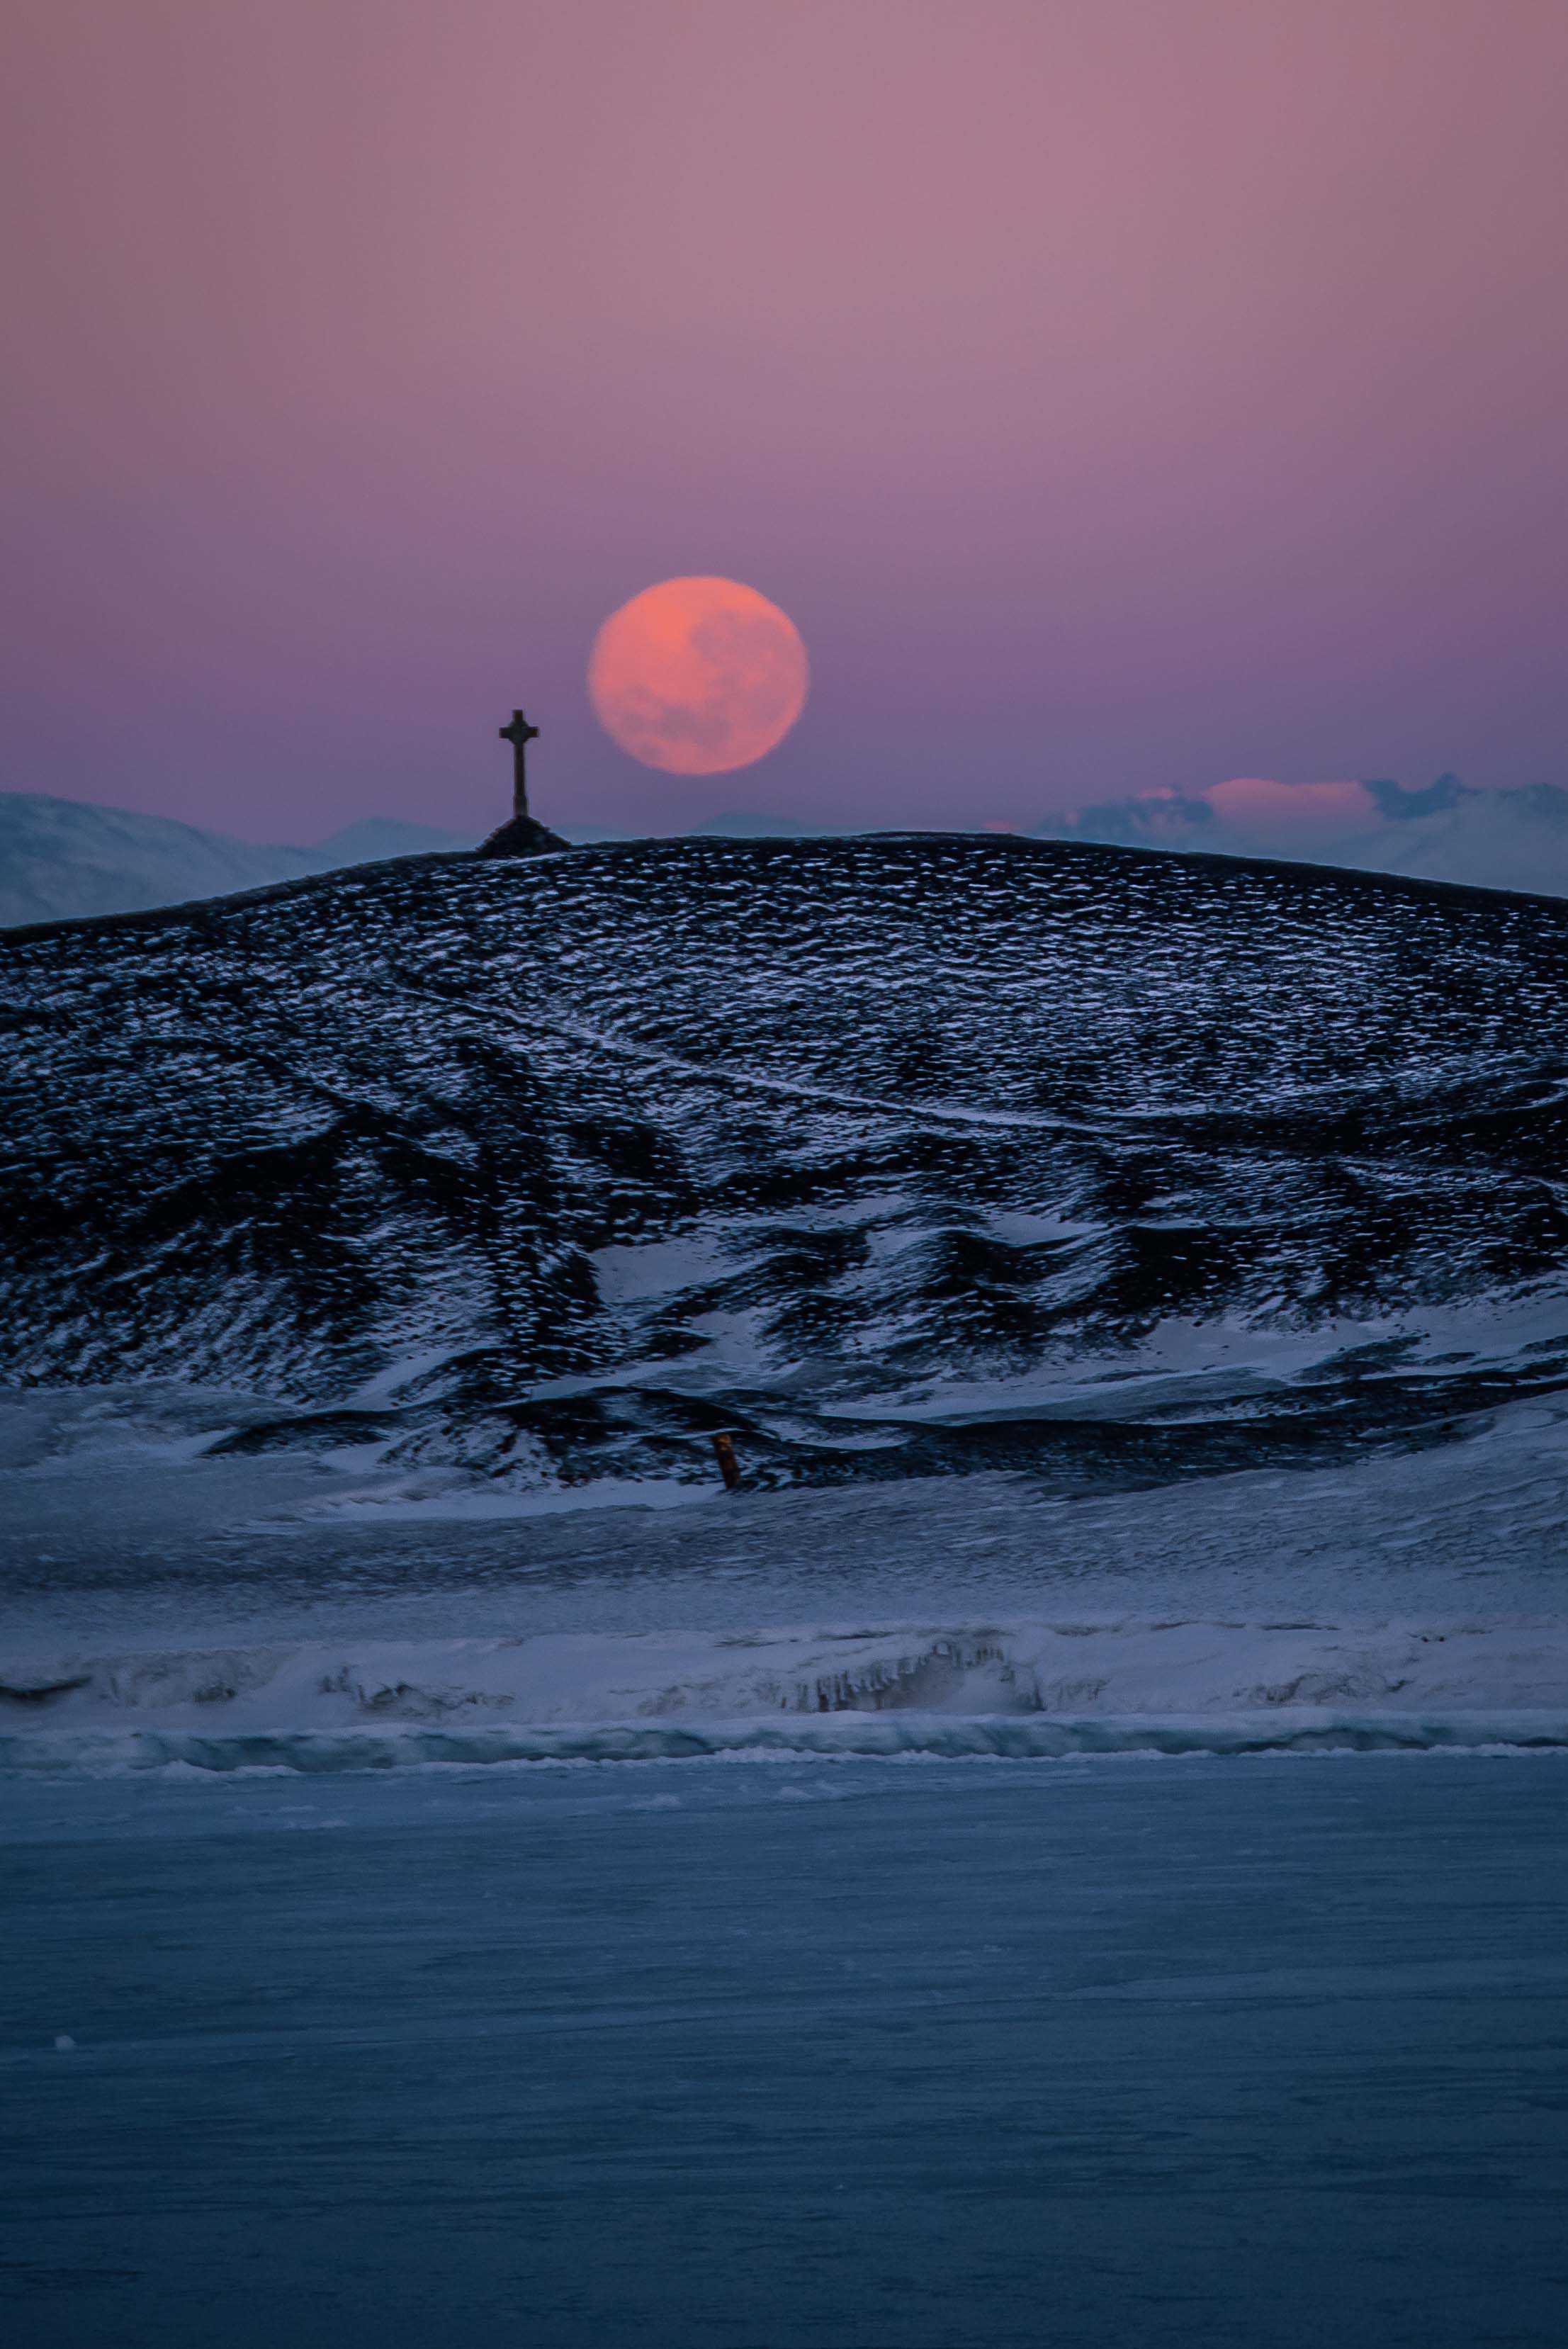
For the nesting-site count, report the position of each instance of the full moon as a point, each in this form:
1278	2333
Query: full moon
696	676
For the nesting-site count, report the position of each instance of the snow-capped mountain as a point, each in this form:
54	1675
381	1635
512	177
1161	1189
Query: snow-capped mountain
1448	832
60	859
897	1154
63	859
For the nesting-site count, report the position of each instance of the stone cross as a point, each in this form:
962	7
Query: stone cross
519	734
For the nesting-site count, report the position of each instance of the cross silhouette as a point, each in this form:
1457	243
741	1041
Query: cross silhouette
519	734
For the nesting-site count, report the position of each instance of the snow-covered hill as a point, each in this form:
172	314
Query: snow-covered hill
64	858
900	1154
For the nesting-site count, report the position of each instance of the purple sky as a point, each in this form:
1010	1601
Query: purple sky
1116	393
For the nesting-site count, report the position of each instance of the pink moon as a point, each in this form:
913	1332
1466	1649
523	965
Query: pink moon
698	676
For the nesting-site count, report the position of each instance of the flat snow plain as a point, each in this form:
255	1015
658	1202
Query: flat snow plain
868	2055
1000	1932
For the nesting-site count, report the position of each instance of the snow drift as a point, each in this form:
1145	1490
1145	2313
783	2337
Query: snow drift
1020	1689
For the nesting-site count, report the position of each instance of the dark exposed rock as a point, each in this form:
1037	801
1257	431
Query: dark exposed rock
522	835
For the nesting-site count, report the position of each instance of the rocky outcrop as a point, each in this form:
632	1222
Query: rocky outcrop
522	835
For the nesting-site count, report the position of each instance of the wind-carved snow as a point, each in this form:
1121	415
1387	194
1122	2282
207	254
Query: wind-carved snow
1026	1688
893	1157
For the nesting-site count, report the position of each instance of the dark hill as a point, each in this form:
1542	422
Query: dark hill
893	1154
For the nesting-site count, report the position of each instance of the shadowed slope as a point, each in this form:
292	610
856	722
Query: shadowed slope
894	1154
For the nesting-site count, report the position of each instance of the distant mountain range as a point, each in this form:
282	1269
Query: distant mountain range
747	824
1448	832
60	859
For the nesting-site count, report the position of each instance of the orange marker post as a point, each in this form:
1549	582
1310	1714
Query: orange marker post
729	1466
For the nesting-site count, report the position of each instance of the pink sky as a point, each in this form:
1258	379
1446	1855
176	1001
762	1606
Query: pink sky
1117	393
